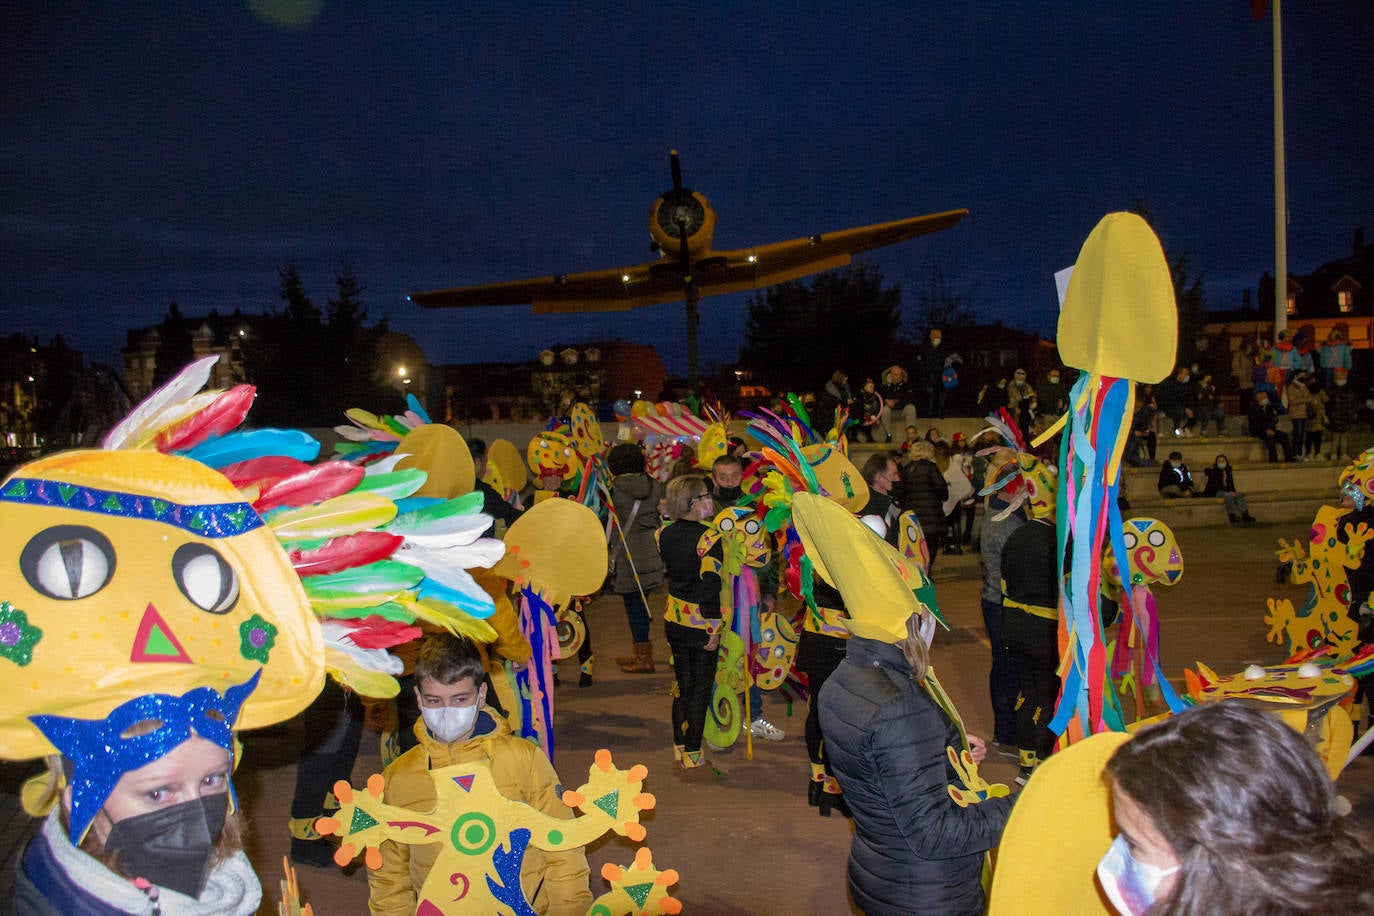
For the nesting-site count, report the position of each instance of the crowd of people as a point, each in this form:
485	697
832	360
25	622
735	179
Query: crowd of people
159	831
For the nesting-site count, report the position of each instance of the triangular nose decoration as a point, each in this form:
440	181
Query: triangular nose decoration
465	781
155	641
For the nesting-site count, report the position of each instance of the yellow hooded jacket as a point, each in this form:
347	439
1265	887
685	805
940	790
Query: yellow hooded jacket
555	883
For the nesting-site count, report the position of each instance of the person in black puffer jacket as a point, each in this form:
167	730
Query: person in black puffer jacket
886	735
924	492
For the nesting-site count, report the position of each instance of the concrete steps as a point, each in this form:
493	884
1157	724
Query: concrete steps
1277	493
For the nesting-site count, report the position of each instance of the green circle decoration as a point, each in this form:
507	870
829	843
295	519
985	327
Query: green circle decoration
473	833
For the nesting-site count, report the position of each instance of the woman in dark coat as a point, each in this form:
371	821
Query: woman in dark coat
924	491
886	735
635	497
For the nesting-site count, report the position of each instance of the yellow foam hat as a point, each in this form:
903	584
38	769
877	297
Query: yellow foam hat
1066	807
865	569
133	573
558	547
837	475
1119	318
442	453
509	463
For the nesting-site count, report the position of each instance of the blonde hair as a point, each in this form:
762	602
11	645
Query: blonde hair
682	492
914	648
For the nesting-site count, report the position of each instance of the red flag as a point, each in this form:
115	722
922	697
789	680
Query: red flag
1259	8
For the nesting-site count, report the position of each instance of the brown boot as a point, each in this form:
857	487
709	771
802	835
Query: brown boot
643	660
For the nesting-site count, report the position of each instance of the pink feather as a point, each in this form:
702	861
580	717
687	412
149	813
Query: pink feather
313	485
223	415
345	552
262	471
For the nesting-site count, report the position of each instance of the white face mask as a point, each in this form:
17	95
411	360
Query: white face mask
1129	884
1221	464
926	629
449	723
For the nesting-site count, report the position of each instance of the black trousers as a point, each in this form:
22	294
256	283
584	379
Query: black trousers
333	727
818	656
1034	646
695	670
1003	687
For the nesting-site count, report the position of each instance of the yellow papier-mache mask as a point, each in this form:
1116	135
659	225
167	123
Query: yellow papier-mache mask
142	573
1153	557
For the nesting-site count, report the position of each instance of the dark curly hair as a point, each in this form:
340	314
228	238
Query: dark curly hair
1250	813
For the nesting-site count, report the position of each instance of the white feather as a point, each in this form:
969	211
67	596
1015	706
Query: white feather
383	465
450	567
185	384
336	636
453	529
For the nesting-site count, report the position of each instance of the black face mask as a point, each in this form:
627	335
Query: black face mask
728	495
171	847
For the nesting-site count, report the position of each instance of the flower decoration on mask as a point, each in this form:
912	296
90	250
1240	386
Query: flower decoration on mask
101	753
256	637
17	635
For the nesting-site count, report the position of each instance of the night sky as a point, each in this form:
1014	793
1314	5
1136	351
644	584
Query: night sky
152	152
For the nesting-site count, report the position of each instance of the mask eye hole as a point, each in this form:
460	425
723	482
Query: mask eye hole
751	526
1128	538
727	523
68	562
205	578
1156	538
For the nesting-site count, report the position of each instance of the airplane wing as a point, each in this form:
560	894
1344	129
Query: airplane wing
715	272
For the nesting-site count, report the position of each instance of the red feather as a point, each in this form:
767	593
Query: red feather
345	552
380	633
262	471
223	415
313	485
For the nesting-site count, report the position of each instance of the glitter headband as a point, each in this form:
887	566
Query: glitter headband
214	520
101	754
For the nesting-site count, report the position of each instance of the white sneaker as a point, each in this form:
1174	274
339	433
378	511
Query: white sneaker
762	728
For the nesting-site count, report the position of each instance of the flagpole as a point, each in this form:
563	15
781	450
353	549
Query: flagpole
1280	190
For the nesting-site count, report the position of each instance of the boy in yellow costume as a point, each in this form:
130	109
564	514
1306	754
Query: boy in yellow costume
456	727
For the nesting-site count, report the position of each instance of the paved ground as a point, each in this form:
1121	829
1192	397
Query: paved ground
746	842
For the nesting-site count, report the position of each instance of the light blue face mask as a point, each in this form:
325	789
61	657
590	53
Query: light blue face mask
1129	884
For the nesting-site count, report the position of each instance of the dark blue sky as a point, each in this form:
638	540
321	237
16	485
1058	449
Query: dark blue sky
152	152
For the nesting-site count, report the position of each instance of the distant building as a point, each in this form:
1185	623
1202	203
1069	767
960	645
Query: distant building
1338	295
224	335
36	381
598	373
